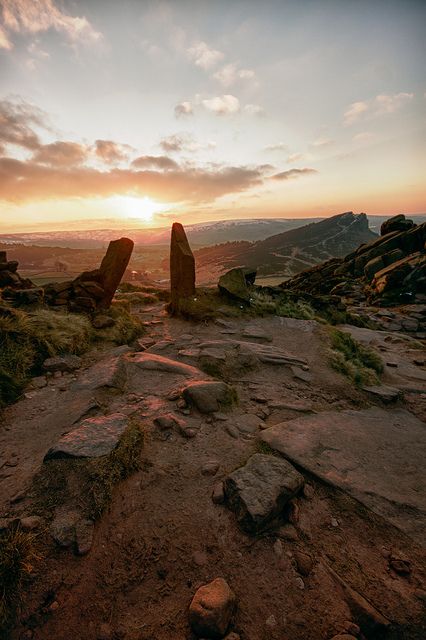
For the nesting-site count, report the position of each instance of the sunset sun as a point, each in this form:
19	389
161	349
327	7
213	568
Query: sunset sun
143	208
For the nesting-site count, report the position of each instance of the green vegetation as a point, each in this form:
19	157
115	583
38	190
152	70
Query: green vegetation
360	364
284	305
27	339
127	327
18	554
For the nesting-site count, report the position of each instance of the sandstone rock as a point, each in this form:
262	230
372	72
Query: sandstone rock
182	267
84	536
63	526
304	563
154	362
93	438
210	468
218	495
65	363
258	491
112	268
29	523
110	372
208	396
234	285
288	532
211	609
256	332
383	392
396	223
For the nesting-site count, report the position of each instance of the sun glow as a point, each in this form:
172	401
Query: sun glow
133	207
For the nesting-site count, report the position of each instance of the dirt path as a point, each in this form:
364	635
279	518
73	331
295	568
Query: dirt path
163	535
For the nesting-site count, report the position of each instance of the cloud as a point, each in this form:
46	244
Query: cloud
183	109
17	120
230	73
293	173
322	142
276	146
296	157
380	105
111	152
28	181
222	105
155	162
254	110
365	136
36	16
203	56
184	142
62	154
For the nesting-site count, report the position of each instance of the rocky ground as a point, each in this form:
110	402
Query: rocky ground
331	545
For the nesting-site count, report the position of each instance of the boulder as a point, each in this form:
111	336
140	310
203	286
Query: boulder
208	396
182	267
233	284
396	223
93	438
258	491
66	363
211	609
112	268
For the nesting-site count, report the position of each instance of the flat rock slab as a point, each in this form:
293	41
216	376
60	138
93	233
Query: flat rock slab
385	393
375	455
93	438
109	372
262	352
155	362
258	491
256	333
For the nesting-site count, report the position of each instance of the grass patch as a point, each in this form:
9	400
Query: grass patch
18	554
28	338
265	448
284	306
127	327
360	364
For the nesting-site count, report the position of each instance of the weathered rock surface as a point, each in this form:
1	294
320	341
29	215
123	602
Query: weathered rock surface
211	609
233	284
182	267
66	363
396	223
365	453
93	438
258	491
208	396
154	362
93	290
110	372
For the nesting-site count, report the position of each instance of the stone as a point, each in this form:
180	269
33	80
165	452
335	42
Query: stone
304	563
210	468
29	523
102	322
62	528
167	421
385	393
375	455
84	536
396	223
258	491
66	363
233	284
38	382
93	438
105	632
257	333
155	362
208	396
288	532
300	374
110	372
112	268
211	609
218	495
182	267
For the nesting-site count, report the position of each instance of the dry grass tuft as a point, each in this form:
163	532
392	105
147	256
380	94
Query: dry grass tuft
360	364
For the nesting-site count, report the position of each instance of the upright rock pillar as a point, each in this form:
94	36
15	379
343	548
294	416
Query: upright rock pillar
182	267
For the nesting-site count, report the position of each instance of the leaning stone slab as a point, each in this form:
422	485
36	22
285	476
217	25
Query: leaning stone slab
375	455
93	438
258	491
112	268
208	396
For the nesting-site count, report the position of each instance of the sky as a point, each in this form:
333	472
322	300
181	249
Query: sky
143	112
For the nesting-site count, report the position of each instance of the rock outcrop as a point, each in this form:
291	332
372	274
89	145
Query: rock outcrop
13	285
389	270
233	284
93	290
182	267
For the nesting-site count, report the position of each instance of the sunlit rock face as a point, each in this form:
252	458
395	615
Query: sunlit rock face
182	267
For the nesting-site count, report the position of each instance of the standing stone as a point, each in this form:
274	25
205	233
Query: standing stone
182	267
112	268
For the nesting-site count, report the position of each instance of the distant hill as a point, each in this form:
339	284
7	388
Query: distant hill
292	251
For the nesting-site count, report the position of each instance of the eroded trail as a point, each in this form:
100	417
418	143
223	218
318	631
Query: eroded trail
163	535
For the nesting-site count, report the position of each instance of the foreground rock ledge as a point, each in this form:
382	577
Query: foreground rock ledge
211	609
258	491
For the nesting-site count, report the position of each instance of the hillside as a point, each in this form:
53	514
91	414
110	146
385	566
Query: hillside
294	250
